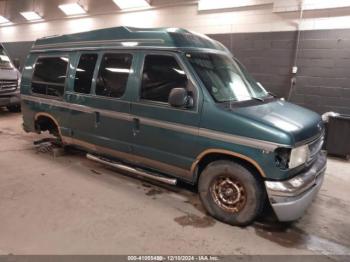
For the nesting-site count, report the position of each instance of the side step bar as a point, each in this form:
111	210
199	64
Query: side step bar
139	172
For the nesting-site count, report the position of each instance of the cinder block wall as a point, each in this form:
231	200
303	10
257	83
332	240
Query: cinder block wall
323	77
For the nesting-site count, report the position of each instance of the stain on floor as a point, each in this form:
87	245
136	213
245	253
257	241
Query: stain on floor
154	191
195	221
95	172
146	185
280	233
290	236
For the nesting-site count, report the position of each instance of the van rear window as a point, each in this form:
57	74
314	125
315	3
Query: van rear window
50	76
113	75
84	73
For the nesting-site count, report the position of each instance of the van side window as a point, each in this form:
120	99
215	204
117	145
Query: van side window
161	73
50	76
113	75
84	73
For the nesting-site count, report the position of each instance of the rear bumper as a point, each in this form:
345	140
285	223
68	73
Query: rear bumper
290	204
10	99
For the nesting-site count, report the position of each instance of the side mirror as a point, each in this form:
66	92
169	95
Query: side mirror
16	63
179	97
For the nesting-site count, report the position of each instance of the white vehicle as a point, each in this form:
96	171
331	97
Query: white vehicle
10	79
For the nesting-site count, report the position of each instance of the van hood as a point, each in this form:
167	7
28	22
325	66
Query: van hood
8	74
297	122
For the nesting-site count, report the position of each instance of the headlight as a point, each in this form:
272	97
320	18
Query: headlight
298	156
290	158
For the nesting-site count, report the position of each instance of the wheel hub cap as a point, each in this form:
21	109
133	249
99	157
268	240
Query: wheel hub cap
228	194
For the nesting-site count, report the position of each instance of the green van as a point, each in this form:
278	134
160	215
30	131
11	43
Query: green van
168	104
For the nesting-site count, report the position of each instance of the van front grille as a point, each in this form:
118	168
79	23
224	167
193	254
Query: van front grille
316	146
8	85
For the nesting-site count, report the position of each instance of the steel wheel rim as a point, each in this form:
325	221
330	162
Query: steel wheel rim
228	194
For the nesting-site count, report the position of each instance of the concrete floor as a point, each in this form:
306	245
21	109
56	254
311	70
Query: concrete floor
70	205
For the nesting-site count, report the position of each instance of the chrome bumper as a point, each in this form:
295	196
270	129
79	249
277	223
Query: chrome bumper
289	199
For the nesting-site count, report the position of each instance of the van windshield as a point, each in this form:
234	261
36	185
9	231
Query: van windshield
225	78
4	59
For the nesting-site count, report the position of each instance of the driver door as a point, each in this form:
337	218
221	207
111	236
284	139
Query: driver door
165	137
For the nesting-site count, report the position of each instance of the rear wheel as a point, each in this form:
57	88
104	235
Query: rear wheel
230	192
14	108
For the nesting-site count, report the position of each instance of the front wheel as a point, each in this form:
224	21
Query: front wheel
14	108
231	193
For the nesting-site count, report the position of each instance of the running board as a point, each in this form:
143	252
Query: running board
123	167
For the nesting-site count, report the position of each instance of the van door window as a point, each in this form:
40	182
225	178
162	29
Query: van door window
161	73
84	73
113	75
50	76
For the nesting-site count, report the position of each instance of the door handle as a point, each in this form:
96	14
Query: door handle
97	118
136	126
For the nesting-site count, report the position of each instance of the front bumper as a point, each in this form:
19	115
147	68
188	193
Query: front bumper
10	99
289	199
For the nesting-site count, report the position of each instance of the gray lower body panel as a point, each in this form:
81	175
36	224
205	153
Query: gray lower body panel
290	208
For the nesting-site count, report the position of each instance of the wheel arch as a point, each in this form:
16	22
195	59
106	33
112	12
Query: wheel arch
46	122
210	155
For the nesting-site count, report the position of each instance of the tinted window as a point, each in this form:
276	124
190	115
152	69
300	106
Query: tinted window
113	75
50	75
161	74
84	73
226	79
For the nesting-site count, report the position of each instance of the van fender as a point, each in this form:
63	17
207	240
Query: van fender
226	153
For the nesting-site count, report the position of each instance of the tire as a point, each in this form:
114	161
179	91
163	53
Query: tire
231	193
14	108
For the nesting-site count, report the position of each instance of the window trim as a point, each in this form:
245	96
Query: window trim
65	80
166	104
97	71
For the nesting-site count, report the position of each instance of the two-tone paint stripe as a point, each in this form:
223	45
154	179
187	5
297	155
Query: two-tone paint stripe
187	129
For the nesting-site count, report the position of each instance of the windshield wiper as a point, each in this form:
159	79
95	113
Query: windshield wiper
234	101
272	94
258	98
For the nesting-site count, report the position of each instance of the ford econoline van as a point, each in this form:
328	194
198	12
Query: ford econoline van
172	105
9	83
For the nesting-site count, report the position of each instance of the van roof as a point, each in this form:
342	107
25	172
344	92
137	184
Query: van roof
129	37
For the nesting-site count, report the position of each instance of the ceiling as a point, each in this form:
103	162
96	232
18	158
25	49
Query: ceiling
49	10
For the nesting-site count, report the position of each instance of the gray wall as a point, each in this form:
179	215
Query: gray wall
323	78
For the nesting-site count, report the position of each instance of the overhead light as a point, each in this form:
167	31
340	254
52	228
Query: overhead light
3	20
31	15
130	4
72	9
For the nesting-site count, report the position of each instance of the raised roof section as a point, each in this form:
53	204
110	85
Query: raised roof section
130	37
